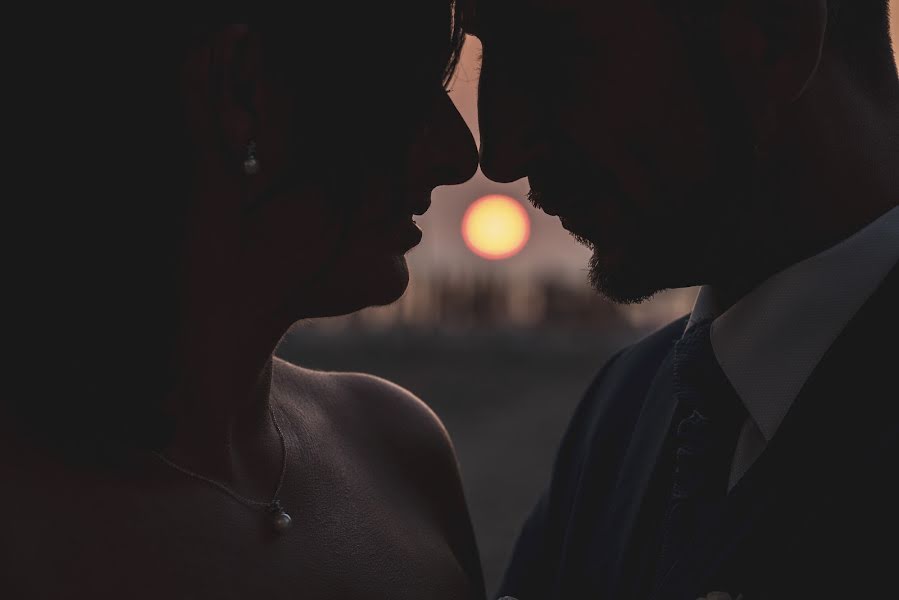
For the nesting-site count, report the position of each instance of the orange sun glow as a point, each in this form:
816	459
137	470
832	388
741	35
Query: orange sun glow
496	227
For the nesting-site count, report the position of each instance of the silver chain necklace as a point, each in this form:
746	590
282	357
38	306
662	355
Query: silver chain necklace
280	520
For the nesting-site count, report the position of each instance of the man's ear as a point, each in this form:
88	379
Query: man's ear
774	47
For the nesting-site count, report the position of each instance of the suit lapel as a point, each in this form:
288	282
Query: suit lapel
817	439
611	534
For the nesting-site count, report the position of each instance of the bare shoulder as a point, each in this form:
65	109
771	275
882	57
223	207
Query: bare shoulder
395	436
370	408
381	425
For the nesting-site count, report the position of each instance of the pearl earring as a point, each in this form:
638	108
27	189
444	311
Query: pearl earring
251	163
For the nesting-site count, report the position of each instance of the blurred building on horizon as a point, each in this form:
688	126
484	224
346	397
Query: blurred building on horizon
490	301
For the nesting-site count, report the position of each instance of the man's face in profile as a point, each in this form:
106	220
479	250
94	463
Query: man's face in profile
622	132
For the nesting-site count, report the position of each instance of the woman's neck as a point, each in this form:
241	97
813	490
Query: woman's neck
223	424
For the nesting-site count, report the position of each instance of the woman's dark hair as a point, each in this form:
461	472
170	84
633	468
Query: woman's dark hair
100	174
860	31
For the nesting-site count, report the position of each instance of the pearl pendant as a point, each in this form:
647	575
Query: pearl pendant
281	521
251	166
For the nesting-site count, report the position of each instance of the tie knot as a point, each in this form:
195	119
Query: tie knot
708	420
699	383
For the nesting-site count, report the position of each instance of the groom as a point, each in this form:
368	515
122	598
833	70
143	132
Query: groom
750	147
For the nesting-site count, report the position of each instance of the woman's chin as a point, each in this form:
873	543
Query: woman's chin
385	283
371	283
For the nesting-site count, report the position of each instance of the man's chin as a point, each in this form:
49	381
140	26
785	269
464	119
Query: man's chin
622	281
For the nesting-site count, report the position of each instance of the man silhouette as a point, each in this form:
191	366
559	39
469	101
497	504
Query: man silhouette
751	147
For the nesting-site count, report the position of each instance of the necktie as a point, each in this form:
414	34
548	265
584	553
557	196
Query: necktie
710	416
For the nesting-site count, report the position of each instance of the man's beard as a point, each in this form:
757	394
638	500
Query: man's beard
615	285
681	234
680	240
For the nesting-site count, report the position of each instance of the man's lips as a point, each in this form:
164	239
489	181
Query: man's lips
571	226
550	210
538	199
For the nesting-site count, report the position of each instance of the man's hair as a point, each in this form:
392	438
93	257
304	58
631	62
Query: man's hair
858	31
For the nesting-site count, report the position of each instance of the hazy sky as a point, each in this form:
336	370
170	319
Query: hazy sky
550	248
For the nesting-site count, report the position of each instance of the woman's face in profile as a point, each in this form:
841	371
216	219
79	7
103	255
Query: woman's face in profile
347	160
353	227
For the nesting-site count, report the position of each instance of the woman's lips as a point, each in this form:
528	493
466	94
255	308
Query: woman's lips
402	235
421	207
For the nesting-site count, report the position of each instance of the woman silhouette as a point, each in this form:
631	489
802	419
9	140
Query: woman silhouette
184	195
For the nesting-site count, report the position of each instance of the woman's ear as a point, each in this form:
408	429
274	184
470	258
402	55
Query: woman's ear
774	47
221	82
239	59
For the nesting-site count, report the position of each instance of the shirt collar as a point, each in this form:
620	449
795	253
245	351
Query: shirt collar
769	342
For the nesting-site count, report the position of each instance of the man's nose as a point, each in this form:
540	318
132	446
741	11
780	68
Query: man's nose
507	116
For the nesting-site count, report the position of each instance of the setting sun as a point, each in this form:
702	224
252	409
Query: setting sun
496	227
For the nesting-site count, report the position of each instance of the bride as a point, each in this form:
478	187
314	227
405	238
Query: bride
190	192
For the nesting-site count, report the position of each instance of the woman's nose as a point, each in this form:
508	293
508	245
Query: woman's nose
452	155
508	120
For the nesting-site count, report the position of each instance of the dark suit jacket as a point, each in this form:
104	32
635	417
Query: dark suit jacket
814	517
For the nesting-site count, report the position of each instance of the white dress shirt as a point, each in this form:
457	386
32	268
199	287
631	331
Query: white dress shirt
771	340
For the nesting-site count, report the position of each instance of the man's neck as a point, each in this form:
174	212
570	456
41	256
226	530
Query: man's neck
833	170
729	289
